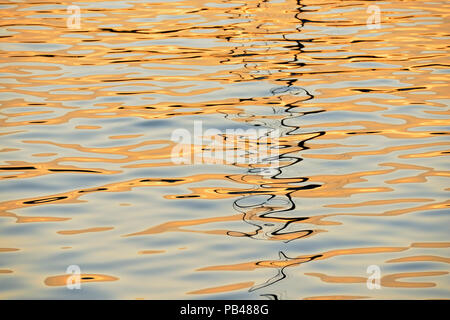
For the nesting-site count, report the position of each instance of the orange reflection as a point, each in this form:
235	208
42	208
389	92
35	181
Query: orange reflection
226	288
84	278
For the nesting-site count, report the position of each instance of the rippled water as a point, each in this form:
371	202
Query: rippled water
87	178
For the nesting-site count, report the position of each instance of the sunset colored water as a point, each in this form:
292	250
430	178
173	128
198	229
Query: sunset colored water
358	187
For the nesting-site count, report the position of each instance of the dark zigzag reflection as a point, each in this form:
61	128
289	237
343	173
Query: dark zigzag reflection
259	211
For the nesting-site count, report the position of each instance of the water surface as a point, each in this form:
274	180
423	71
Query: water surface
87	178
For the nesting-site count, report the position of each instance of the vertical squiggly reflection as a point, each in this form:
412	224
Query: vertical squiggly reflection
271	215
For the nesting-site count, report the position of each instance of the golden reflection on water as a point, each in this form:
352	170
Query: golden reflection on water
87	116
63	279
